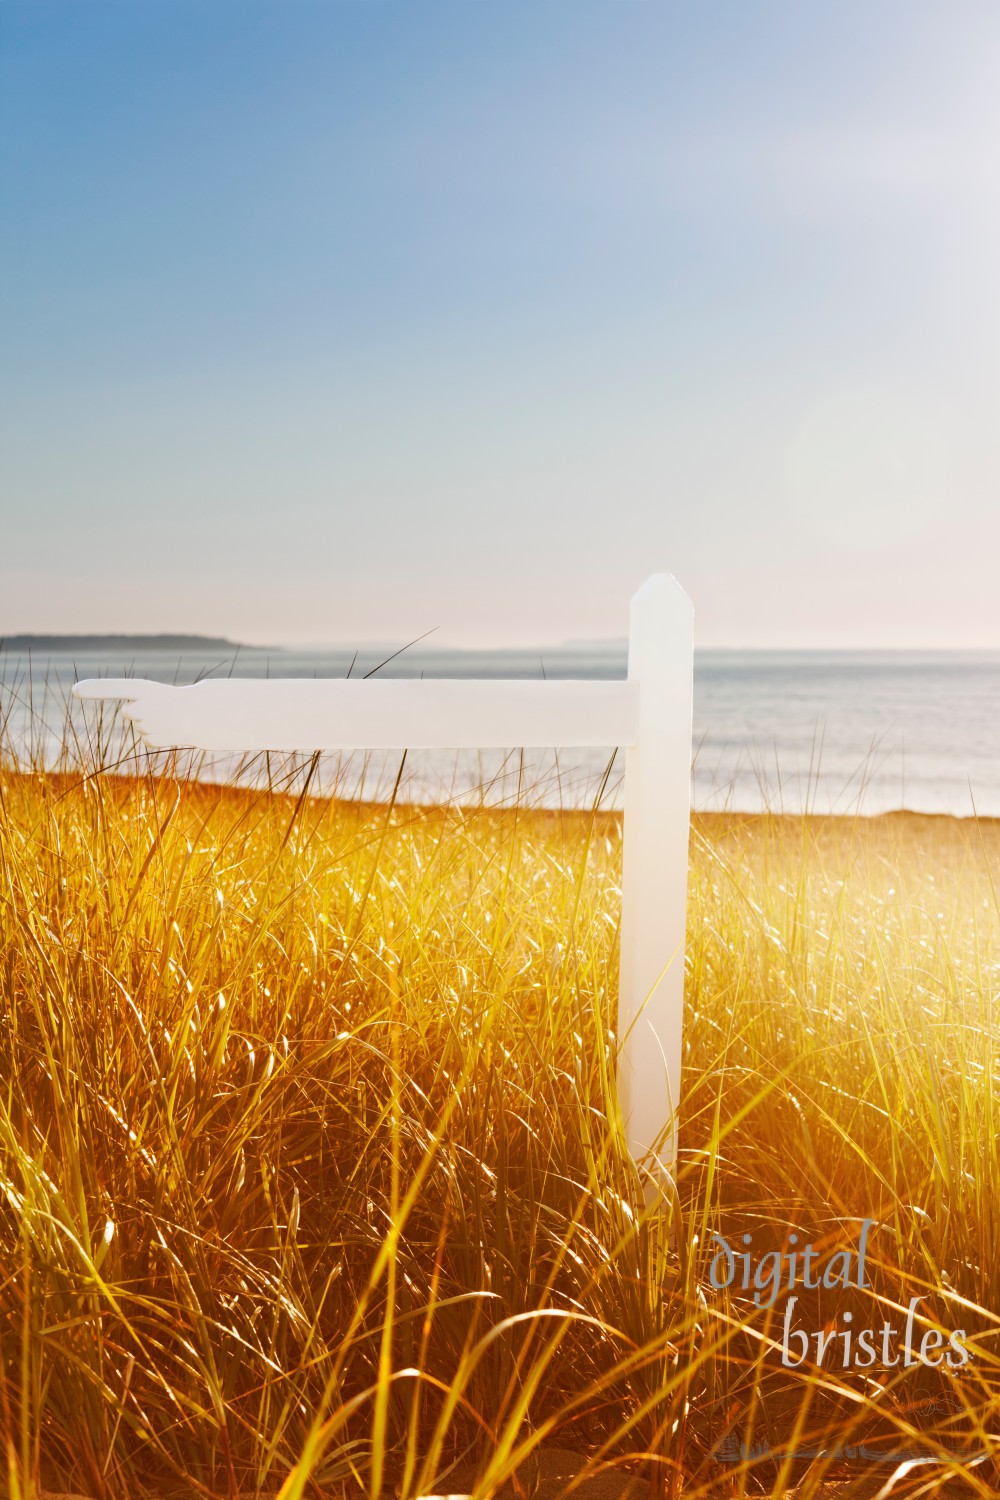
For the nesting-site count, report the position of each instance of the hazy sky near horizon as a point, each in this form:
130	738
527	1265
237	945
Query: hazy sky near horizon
341	321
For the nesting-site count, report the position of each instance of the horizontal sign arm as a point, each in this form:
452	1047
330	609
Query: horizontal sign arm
240	714
650	715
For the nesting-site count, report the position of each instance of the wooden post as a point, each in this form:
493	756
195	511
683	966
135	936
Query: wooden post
654	873
650	715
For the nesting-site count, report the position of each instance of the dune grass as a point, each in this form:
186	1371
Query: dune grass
311	1170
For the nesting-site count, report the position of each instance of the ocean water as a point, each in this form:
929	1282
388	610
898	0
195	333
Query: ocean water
859	732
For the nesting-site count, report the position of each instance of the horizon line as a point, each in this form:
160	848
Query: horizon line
23	642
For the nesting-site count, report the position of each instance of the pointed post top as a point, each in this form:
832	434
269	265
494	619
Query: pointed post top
662	591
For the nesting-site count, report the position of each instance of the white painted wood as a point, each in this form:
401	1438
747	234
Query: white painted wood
650	715
654	871
237	714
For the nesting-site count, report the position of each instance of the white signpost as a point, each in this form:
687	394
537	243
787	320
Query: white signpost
649	714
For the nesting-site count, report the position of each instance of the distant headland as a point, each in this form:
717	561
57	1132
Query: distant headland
20	643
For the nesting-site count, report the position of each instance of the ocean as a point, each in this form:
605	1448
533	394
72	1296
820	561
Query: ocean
843	732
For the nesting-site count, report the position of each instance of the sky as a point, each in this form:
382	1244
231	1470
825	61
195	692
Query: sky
343	321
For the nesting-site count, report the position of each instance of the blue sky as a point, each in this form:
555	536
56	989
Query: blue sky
341	321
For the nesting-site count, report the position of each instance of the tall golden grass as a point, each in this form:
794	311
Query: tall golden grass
312	1177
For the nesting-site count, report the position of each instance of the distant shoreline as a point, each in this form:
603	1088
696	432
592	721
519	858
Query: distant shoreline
19	643
611	647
